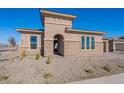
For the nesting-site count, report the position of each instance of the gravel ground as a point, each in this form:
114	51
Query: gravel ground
61	70
112	79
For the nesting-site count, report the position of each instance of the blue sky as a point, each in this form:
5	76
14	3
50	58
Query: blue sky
108	20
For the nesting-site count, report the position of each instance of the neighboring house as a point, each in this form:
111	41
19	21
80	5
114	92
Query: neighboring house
58	37
116	45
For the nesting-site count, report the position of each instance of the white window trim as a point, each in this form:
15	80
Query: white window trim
85	49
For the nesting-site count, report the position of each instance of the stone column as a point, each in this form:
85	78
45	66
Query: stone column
48	47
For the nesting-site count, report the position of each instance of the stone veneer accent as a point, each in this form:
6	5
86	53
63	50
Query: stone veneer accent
74	48
48	47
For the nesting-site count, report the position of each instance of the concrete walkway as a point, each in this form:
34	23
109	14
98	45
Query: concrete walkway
113	79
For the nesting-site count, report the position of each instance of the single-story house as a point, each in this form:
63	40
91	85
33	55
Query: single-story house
58	37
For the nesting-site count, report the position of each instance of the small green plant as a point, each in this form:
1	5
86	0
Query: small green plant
48	76
121	66
3	78
89	71
48	61
107	68
37	56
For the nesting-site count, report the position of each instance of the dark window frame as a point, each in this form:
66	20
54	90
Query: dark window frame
33	42
83	42
92	42
88	42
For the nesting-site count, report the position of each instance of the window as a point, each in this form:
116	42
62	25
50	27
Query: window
88	42
92	43
83	42
33	42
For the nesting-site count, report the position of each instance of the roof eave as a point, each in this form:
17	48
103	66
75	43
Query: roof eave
29	31
85	32
57	14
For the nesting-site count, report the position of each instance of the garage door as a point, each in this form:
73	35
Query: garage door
119	46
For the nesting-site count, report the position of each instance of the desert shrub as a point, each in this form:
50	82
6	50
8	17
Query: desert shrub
22	54
107	68
10	56
48	76
49	60
89	71
121	66
3	78
37	56
11	43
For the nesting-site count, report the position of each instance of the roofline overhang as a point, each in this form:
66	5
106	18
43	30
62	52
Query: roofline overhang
104	38
118	40
22	30
69	30
57	14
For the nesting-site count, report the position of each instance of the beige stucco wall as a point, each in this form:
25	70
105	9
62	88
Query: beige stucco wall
52	29
48	48
54	25
74	48
25	42
72	41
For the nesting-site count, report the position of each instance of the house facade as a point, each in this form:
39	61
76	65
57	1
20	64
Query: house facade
58	37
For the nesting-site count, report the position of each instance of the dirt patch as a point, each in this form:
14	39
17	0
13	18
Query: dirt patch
61	69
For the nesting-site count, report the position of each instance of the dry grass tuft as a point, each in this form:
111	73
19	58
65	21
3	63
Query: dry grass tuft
107	68
89	71
3	77
22	54
121	66
48	76
37	56
49	60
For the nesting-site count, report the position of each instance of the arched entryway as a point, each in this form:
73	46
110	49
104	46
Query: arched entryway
58	44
